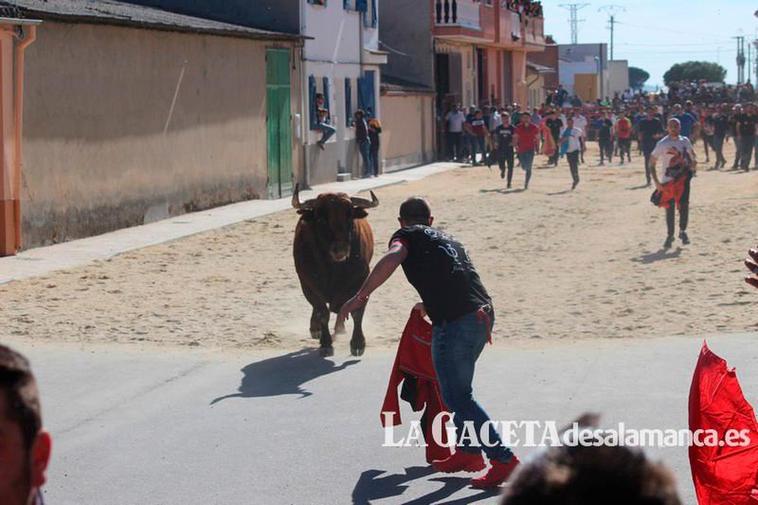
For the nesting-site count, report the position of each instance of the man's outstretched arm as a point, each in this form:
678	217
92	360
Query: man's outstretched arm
382	271
752	264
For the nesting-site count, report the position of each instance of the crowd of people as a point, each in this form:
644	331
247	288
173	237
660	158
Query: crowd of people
482	135
658	127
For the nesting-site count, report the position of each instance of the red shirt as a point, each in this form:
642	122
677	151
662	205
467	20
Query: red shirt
623	128
528	138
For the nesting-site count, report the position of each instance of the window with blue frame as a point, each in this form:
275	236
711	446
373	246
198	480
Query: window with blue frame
313	101
370	17
348	102
318	101
367	92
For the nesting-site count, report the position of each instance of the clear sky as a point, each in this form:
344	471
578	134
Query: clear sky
655	34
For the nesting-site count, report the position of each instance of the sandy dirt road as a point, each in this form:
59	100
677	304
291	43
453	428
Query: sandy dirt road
559	265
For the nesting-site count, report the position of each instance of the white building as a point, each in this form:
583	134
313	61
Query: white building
342	62
583	70
618	77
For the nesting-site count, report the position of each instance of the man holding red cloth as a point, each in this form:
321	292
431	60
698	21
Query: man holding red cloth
677	160
453	296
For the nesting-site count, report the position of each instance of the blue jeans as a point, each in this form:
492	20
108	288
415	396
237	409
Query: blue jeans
327	130
365	148
527	159
456	346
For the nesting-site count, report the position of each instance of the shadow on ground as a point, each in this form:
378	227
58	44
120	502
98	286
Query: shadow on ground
502	191
641	186
660	255
558	193
374	485
284	375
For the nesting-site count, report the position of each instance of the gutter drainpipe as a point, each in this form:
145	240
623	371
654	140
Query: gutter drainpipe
27	35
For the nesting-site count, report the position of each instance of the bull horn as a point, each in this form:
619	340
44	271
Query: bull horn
307	205
362	203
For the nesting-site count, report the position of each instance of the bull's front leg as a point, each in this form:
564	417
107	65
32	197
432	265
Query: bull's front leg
315	324
358	342
320	322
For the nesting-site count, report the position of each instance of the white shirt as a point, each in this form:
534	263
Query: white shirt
455	120
581	123
574	134
674	157
495	121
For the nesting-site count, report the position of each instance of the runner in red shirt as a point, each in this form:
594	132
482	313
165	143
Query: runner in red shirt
624	136
527	139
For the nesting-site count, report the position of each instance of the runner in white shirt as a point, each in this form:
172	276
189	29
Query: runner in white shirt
571	142
580	122
677	162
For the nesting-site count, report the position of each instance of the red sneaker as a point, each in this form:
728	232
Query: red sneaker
460	461
496	475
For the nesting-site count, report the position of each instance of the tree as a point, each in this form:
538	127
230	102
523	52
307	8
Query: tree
695	71
637	77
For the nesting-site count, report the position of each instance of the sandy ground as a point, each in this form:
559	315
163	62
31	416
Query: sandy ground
559	265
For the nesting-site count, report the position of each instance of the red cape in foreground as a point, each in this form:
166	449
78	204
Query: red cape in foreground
722	475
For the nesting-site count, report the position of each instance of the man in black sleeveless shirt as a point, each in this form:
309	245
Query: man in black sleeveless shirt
461	311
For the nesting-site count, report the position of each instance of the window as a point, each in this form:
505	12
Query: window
327	93
348	102
319	102
368	8
317	2
313	98
367	93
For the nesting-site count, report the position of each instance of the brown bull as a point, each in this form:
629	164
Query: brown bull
333	247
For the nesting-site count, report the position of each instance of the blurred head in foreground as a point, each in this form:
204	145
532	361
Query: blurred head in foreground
24	445
594	475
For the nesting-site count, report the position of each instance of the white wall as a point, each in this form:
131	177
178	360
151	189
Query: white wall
335	32
567	70
371	34
334	51
618	77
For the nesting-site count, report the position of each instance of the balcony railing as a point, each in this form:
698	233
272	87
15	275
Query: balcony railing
535	31
461	13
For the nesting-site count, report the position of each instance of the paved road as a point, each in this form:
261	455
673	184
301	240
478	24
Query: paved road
147	427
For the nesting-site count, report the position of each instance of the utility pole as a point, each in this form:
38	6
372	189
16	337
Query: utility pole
749	65
574	20
612	10
740	58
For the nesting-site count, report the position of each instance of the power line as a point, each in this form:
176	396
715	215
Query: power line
666	44
669	30
573	20
640	51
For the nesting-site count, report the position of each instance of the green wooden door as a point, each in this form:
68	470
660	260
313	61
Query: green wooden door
278	123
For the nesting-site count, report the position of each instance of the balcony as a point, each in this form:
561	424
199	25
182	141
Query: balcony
510	36
535	33
457	13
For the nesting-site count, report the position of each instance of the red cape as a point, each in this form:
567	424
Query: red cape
722	475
